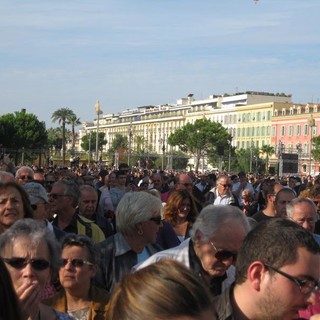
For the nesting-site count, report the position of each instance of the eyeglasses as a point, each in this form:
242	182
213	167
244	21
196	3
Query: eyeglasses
225	185
306	286
25	177
20	263
222	254
56	196
75	262
157	220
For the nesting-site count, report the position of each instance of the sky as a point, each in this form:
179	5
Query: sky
131	53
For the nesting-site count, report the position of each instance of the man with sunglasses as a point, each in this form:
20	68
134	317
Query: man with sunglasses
221	194
24	174
211	251
277	271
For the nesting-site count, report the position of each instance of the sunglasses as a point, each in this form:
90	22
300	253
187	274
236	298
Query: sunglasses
157	220
20	263
225	185
25	177
75	262
222	255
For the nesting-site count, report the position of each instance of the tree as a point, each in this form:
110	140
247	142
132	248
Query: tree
268	151
74	121
119	142
89	141
62	115
22	130
200	138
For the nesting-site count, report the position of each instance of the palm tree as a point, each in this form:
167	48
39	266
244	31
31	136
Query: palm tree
268	151
62	115
74	121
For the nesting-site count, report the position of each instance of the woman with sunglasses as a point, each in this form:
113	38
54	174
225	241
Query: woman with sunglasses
14	204
30	253
179	214
138	219
78	266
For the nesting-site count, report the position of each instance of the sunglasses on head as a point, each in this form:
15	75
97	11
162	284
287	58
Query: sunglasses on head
157	220
222	254
75	262
20	263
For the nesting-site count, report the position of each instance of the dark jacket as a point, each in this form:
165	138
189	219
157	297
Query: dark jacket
116	260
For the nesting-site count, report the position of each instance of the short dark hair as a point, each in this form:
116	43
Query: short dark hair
274	242
83	241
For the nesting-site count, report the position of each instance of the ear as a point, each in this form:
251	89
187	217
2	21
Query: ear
93	271
139	229
198	236
255	274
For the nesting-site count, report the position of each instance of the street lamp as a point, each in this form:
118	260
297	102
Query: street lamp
163	150
98	112
311	124
130	138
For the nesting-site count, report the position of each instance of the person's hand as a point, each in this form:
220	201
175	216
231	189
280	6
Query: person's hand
315	317
29	296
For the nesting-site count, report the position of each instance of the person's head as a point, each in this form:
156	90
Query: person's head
6	176
217	235
78	263
38	176
314	194
184	181
292	182
212	179
283	197
121	178
247	196
277	269
30	252
24	174
304	212
64	196
14	204
88	201
50	179
139	214
165	290
180	207
9	307
157	181
242	176
38	199
223	185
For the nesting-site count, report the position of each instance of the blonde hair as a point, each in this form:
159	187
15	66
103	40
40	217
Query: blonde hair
162	290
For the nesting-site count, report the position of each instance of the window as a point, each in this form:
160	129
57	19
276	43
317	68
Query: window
298	130
274	131
305	129
258	131
259	116
269	115
283	131
262	131
290	130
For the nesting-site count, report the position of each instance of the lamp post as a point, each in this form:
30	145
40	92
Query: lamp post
89	151
130	138
163	150
280	150
98	112
311	123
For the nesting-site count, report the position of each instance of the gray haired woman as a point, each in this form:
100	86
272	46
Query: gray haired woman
30	253
138	219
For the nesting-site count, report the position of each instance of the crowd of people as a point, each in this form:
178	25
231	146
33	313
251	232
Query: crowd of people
140	244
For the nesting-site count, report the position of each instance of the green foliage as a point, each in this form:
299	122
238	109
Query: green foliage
202	137
268	151
316	148
63	116
21	129
119	142
89	141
